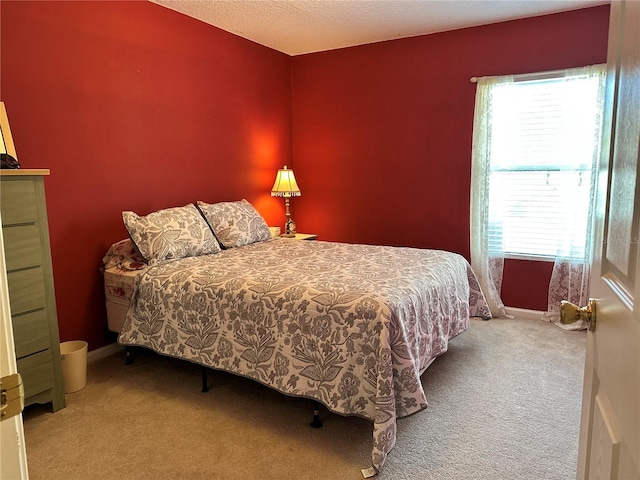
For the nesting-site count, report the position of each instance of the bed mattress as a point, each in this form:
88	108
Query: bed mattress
118	288
120	267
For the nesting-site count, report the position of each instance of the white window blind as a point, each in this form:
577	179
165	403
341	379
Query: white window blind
544	141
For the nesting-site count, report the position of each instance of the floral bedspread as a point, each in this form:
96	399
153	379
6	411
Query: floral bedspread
352	326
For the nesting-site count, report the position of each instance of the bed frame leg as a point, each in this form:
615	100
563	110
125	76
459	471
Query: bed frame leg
316	423
128	355
205	386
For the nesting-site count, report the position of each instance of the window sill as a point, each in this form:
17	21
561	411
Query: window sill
537	258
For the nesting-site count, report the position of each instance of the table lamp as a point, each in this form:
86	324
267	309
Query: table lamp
286	186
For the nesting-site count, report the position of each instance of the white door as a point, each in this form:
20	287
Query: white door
13	456
610	428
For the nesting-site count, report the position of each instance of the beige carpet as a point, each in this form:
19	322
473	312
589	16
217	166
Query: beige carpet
504	403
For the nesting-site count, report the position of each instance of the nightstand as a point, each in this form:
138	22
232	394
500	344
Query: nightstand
306	236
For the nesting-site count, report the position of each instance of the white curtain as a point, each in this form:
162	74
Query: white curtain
570	279
487	269
571	273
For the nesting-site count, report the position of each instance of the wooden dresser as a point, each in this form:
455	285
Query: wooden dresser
30	278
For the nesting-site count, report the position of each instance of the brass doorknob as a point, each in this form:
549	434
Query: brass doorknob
570	313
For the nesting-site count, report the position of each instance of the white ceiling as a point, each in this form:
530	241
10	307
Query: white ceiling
304	26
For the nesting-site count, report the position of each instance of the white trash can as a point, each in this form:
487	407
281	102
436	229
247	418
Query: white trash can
74	365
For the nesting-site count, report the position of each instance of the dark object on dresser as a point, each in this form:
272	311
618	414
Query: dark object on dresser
7	161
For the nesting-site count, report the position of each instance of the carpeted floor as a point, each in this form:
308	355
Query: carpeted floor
504	403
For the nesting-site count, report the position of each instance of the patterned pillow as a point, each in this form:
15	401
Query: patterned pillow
124	255
170	234
235	223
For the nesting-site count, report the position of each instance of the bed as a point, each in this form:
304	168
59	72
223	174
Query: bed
350	326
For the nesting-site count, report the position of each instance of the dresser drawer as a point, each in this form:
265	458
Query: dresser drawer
18	201
31	333
22	246
26	290
37	373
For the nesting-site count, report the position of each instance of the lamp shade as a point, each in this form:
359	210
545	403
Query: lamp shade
285	184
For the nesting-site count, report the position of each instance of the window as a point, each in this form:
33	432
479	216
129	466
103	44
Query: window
542	145
536	141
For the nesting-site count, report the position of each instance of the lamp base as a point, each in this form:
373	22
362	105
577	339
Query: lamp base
290	226
288	235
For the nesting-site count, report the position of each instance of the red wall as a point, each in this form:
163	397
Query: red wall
135	107
382	132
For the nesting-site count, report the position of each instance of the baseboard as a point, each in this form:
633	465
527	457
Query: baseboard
524	313
102	352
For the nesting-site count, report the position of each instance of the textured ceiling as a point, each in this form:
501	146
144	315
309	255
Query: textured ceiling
303	26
